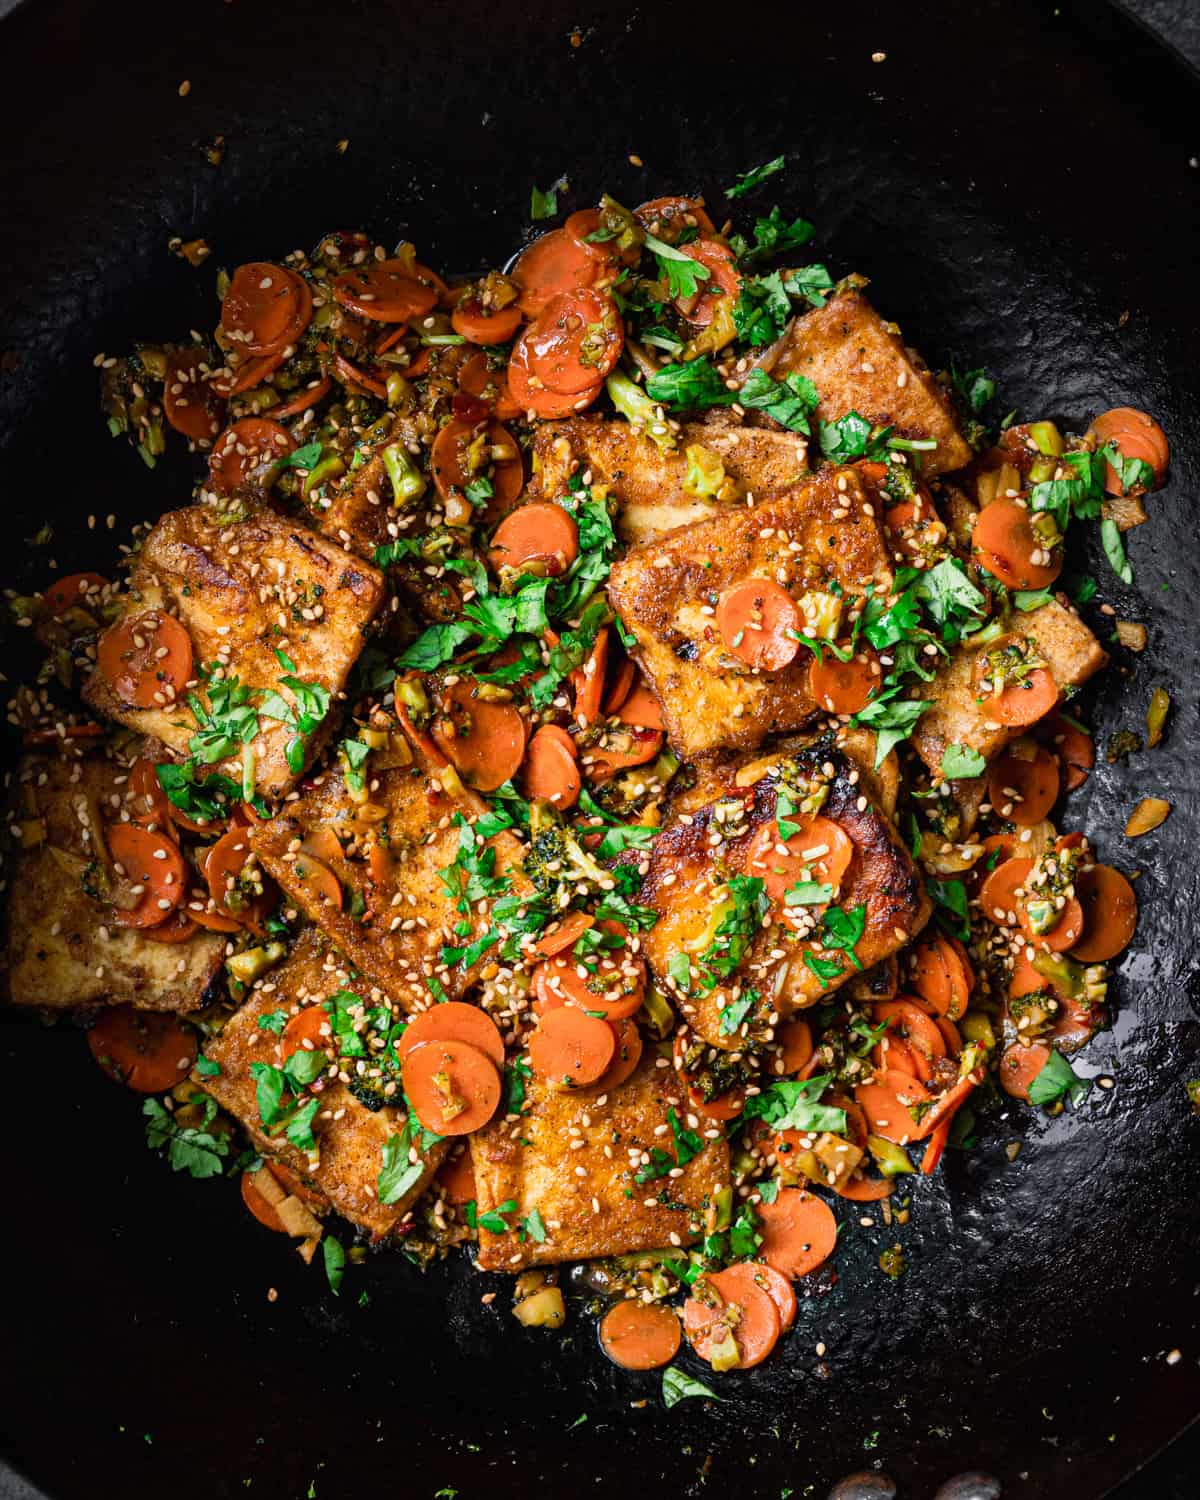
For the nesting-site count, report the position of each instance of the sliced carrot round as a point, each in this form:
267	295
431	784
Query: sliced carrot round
723	1107
1008	545
1023	791
148	803
263	308
619	749
844	687
245	900
575	340
178	928
1109	914
627	1053
385	291
456	1178
551	769
618	684
554	263
454	1021
527	393
865	1189
540	533
588	680
941	976
309	1030
1018	703
248	453
998	896
799	1232
794	1039
582	223
776	1286
485	741
667	218
355	378
1065	933
723	287
640	1335
732	1306
742	1286
146	1050
1136	435
911	1022
322	883
244	373
146	659
74	589
453	1087
479	325
759	622
307	396
451	468
153	874
1075	749
885	1101
262	1209
617	988
571	1049
641	708
564	934
1019	1066
191	400
821	851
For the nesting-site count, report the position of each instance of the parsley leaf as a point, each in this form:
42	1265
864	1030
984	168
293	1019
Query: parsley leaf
1114	550
950	899
434	646
533	1226
494	1221
682	272
751	179
735	932
892	719
1057	1080
949	594
959	762
736	1011
399	1174
678	1386
544	205
809	282
852	437
762	310
772	236
794	1104
335	1262
307	457
190	1148
843	930
695	384
790	402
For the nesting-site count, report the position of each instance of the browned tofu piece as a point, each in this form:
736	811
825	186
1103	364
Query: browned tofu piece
393	850
350	1136
860	363
64	948
245	590
821	534
650	486
589	1198
361	516
1071	651
697	852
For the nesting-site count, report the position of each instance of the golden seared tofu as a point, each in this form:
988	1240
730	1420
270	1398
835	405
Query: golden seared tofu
860	363
366	512
788	883
353	1106
264	601
391	875
710	469
1057	636
821	545
600	1170
65	946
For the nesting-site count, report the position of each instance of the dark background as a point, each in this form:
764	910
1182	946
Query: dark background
144	1356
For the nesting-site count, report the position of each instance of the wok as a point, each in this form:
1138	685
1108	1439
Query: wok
1016	179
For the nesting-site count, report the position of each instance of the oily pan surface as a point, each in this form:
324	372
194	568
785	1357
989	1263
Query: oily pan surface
1010	211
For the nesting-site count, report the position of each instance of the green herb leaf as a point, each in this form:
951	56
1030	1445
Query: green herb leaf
1114	550
544	205
307	457
1057	1080
810	283
678	1386
751	179
335	1262
791	402
679	969
892	719
191	1149
959	762
794	1104
693	385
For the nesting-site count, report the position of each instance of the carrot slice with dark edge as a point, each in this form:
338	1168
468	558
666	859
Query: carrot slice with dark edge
83	589
148	804
453	1087
449	461
146	659
478	325
262	306
885	1101
308	396
456	1178
571	1049
627	1043
540	533
1136	435
554	263
799	1232
244	373
759	622
1065	933
844	687
551	769
910	1021
1109	914
998	895
321	881
723	287
223	867
1019	1066
564	934
384	292
576	339
778	1288
794	1039
641	708
733	1309
248	453
1023	791
821	852
309	1030
940	977
151	862
667	218
618	686
588	680
1075	748
454	1021
1007	545
485	741
528	394
640	1335
178	928
191	401
146	1050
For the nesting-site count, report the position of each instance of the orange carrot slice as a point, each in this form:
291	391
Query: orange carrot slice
146	1050
1023	791
885	1101
153	875
640	1335
1109	914
820	852
551	769
454	1088
1011	550
571	1049
799	1232
485	741
454	1021
146	659
998	895
575	339
540	533
759	623
845	687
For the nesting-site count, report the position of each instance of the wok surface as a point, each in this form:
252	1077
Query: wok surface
1015	181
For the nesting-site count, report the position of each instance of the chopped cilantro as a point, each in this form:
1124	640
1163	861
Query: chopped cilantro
751	179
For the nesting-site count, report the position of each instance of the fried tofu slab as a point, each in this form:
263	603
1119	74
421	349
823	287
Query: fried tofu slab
785	960
245	590
1071	652
651	487
388	855
64	948
350	1135
860	363
822	539
588	1195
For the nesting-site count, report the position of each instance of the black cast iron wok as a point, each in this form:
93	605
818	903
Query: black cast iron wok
1015	177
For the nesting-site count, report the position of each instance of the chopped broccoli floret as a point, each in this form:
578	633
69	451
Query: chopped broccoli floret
556	863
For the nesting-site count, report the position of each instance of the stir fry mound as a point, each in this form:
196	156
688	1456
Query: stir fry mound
581	777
